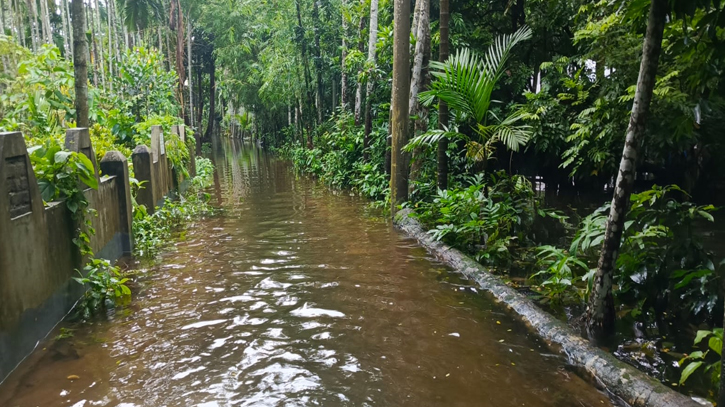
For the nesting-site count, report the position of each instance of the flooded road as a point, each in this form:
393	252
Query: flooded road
296	296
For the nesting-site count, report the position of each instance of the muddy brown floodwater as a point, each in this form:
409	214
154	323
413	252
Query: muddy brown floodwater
296	296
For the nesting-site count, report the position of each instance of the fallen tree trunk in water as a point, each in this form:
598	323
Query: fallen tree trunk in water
622	380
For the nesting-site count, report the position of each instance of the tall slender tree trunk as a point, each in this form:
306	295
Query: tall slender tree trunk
45	17
2	17
600	312
399	105
318	58
417	83
80	63
99	39
372	54
109	13
308	77
358	87
189	74
212	101
92	48
180	53
442	157
343	72
200	97
33	20
67	20
21	28
66	28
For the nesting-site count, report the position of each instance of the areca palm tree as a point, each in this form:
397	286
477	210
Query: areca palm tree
465	82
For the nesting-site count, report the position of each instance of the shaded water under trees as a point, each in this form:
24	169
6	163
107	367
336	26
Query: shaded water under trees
298	296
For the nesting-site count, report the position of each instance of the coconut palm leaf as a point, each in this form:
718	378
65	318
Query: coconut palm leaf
137	14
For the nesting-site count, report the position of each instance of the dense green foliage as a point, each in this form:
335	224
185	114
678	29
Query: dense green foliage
152	231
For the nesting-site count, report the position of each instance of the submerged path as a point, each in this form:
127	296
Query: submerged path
296	296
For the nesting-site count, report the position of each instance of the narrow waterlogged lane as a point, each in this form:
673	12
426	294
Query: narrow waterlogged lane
296	296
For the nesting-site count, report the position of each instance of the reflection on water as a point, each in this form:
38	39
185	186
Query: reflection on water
294	297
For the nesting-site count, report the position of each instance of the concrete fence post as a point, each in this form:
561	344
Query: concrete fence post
115	164
23	242
143	168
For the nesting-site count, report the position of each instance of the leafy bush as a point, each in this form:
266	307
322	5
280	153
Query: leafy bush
698	359
485	219
151	231
39	98
107	287
144	86
662	263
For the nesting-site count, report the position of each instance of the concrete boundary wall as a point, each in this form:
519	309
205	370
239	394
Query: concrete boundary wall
37	254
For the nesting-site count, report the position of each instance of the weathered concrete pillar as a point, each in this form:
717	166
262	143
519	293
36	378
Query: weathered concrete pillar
23	248
143	168
116	164
79	140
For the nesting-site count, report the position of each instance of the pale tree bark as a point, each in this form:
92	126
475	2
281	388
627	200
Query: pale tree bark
80	63
372	56
399	105
414	25
343	73
358	88
318	58
442	157
417	82
2	16
99	40
109	13
70	26
600	312
93	46
189	75
21	27
66	29
33	20
45	20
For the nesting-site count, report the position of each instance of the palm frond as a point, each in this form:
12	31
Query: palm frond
432	137
507	131
466	81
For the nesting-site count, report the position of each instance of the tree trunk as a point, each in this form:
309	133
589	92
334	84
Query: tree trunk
308	76
212	99
45	17
97	32
33	20
358	88
600	312
179	26
372	43
343	74
68	27
110	43
200	97
92	49
188	63
318	58
442	106
80	63
2	16
401	91
420	62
